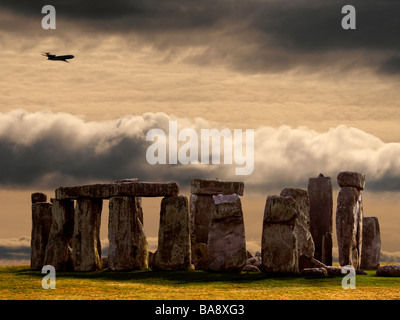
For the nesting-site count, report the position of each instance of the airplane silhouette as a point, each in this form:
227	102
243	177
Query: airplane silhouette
59	58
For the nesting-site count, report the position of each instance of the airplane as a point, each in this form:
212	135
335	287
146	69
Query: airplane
59	58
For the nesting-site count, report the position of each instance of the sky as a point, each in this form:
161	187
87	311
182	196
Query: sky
319	98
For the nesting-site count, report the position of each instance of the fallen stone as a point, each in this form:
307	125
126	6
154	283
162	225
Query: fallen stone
371	244
215	187
349	215
250	268
173	252
389	271
201	207
59	246
321	215
361	272
248	254
315	272
127	189
86	246
41	224
257	254
317	264
199	256
251	260
334	271
38	197
226	239
128	246
351	179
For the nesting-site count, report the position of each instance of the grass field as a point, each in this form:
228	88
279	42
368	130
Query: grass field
21	283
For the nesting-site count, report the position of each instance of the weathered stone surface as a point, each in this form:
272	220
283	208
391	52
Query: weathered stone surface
248	254
150	259
104	262
41	224
86	246
215	187
286	234
38	197
349	215
127	189
279	242
389	271
327	248
199	256
128	248
305	243
351	179
334	271
201	207
371	243
59	246
173	252
321	217
226	238
250	268
315	272
129	180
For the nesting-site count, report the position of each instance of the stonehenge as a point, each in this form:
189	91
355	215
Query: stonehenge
371	243
213	205
128	248
287	245
226	248
173	251
207	232
321	217
41	224
349	218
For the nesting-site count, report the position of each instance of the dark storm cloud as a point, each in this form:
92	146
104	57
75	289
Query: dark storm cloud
248	35
51	150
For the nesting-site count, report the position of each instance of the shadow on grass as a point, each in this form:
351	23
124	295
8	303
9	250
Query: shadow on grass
177	277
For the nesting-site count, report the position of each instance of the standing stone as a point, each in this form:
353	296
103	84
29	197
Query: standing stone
305	243
41	224
199	256
279	251
226	238
351	179
38	197
86	246
173	251
371	243
349	215
201	207
321	217
59	246
128	247
327	249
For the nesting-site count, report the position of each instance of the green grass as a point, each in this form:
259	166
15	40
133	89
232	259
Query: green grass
22	283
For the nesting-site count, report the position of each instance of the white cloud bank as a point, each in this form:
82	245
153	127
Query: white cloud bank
46	149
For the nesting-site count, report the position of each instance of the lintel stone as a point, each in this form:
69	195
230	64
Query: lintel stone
215	187
109	190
